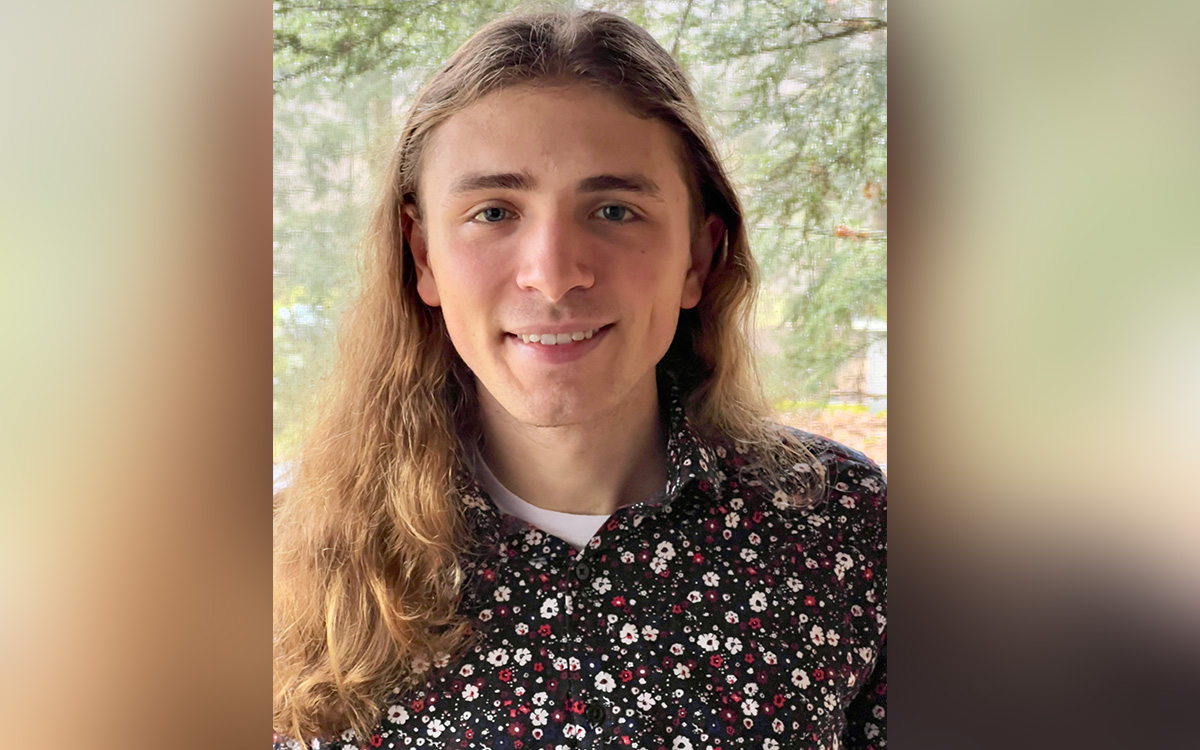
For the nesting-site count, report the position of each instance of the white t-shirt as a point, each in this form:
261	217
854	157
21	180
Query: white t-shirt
575	528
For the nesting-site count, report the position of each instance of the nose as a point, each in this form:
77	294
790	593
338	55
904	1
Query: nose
554	258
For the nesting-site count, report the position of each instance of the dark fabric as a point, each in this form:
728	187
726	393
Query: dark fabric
720	616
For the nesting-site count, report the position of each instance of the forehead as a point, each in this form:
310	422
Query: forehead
559	132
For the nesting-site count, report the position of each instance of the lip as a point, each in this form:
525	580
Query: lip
559	353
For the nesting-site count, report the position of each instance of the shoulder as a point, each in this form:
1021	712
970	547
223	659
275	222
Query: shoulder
830	484
843	469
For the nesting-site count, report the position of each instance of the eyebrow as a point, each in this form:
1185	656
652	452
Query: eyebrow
503	181
633	183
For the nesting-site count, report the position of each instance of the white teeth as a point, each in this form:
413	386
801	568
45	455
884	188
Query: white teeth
554	339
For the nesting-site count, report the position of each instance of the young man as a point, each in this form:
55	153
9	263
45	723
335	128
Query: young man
545	506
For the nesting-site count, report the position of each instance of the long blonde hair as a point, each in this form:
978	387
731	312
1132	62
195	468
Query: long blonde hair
370	534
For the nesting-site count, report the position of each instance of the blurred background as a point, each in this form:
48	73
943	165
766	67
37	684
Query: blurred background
796	93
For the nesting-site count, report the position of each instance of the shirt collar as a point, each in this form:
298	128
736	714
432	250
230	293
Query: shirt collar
691	462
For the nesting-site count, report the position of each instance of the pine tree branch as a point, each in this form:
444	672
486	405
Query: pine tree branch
679	31
851	27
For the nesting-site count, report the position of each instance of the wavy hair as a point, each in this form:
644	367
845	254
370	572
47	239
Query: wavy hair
370	535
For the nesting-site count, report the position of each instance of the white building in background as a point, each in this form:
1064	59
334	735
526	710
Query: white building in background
864	380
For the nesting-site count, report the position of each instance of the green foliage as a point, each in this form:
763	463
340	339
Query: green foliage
796	91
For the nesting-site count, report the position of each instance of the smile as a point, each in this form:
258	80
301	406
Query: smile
554	339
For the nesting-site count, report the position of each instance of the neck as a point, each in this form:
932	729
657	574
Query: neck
592	468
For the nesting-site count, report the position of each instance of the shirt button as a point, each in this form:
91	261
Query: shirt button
583	572
595	715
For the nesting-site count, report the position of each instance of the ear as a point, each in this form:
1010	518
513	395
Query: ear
414	237
704	244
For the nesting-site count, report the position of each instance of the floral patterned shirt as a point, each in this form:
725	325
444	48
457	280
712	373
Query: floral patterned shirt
718	616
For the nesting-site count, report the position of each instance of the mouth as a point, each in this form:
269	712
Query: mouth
558	339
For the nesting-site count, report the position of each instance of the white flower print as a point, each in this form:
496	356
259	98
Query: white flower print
629	633
878	712
871	731
397	714
763	578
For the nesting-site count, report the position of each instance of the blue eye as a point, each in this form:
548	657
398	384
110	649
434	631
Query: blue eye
492	215
614	213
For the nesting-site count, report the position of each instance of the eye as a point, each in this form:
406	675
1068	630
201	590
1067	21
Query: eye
615	213
491	215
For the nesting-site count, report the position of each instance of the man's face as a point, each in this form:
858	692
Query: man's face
555	214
